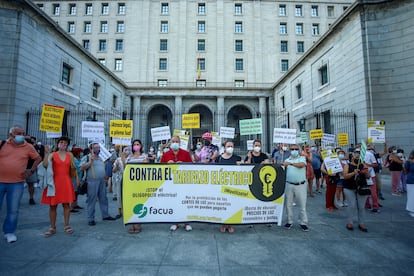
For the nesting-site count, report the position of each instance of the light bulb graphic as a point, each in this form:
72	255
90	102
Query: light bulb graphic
267	176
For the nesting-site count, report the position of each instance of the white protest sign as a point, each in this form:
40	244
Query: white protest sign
104	154
121	141
328	138
184	139
216	139
93	129
284	135
250	144
53	134
376	131
227	132
332	164
160	133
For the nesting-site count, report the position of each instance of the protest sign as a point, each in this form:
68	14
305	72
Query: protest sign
328	138
332	164
376	131
191	120
225	194
121	141
227	132
120	128
284	135
304	137
315	134
343	139
160	133
93	130
250	126
52	118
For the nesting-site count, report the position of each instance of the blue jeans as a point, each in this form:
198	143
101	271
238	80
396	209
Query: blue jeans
96	191
14	193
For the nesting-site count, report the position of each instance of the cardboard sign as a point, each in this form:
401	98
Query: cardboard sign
52	118
120	128
191	120
343	139
316	134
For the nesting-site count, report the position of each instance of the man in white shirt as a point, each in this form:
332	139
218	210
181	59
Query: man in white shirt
295	167
371	163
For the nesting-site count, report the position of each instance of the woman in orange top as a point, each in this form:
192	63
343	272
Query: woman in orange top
64	192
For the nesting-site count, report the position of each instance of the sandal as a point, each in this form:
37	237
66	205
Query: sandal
50	232
223	229
137	229
68	229
230	229
131	230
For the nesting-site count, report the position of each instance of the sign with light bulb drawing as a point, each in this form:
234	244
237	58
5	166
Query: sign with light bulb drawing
213	193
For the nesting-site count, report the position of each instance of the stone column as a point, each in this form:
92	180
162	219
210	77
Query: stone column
178	112
265	130
220	113
136	112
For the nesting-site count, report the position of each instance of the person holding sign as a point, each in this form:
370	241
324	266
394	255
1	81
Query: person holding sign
256	156
230	159
209	152
177	155
295	167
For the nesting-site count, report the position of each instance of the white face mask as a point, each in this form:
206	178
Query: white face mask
229	150
284	148
257	149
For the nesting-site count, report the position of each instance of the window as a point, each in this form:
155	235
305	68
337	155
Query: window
87	27
40	6
282	10
88	9
120	26
102	61
104	26
201	26
238	45
239	64
164	8
164	26
238	8
56	9
282	100
299	28
163	45
114	101
67	71
284	65
72	9
118	64
283	46
86	44
121	8
201	45
323	75
239	83
314	11
300	47
298	10
299	91
162	83
201	83
201	64
105	8
71	27
331	11
95	90
201	8
238	27
315	29
344	8
119	45
283	28
102	45
163	64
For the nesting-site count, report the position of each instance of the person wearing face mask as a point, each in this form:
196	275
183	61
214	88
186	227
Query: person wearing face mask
256	156
371	162
316	165
94	168
209	152
281	154
395	165
151	155
228	158
61	162
14	155
118	172
177	155
295	189
339	187
402	187
138	156
196	151
32	179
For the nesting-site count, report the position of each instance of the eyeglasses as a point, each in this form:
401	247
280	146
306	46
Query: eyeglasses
294	149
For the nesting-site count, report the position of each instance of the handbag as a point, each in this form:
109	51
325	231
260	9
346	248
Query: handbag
83	187
361	190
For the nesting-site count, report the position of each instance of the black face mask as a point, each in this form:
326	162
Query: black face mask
207	143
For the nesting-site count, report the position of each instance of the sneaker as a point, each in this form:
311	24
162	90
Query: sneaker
92	223
345	204
118	216
319	191
304	228
379	205
10	237
288	225
396	194
376	211
173	227
114	198
381	197
32	202
293	204
188	228
109	218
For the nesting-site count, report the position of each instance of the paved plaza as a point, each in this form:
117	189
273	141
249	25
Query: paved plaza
108	249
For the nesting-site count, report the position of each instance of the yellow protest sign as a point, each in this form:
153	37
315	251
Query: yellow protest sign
343	139
316	134
120	128
52	118
191	120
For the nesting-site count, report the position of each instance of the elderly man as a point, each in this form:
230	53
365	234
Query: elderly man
295	167
15	152
177	155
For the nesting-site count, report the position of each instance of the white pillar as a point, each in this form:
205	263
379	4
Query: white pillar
265	130
220	113
178	112
136	111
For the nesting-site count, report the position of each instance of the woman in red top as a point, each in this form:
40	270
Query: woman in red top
64	191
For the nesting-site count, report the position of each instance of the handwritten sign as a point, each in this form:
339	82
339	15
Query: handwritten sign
316	134
191	120
250	126
284	135
52	118
93	130
120	128
343	139
160	133
227	132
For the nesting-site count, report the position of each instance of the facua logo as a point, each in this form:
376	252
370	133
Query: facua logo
142	211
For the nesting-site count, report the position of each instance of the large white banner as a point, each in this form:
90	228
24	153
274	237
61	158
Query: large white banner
225	194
